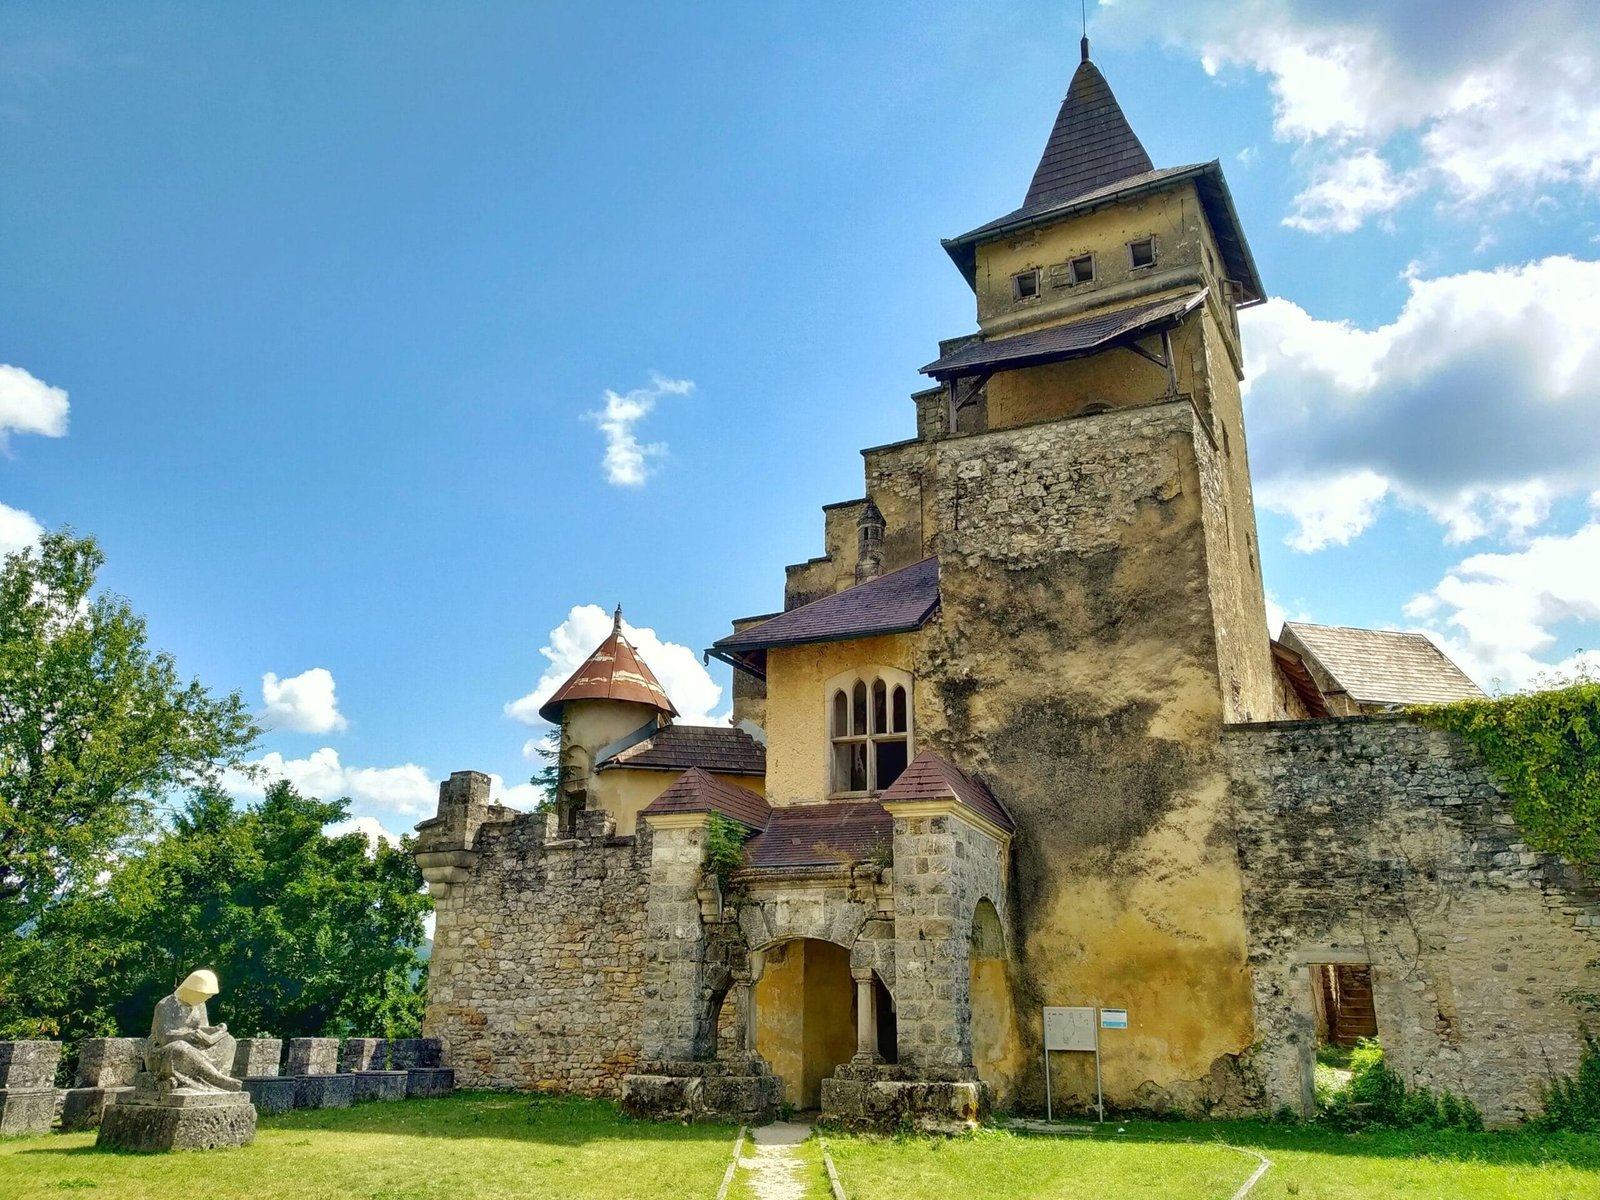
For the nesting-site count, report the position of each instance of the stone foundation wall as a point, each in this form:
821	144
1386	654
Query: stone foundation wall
537	971
1377	840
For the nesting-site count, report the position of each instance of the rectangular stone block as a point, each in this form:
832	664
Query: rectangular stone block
256	1057
29	1064
380	1085
324	1091
271	1094
363	1054
430	1081
110	1062
83	1107
27	1110
405	1053
313	1056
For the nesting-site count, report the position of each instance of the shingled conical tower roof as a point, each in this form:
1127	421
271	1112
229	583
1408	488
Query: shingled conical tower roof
613	672
1091	146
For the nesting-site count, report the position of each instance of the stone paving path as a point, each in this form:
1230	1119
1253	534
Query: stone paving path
774	1168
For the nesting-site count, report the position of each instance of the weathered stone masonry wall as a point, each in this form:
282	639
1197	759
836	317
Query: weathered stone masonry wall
1379	840
538	961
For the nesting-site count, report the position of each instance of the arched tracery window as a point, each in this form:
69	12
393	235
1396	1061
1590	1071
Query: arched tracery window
869	727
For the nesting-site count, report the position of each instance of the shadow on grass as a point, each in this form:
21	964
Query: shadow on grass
1512	1147
502	1116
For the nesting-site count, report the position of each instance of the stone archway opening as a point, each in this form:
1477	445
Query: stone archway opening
996	1045
728	1022
805	1015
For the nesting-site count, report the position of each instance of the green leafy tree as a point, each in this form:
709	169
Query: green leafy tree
548	777
311	934
94	727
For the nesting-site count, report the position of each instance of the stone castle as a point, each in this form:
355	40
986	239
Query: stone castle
1019	738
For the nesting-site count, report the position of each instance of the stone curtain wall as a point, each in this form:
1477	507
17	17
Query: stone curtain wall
1378	840
538	960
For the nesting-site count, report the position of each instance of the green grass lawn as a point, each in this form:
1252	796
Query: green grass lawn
484	1146
472	1146
1177	1161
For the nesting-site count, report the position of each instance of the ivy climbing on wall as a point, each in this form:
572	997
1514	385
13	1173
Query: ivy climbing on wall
1545	748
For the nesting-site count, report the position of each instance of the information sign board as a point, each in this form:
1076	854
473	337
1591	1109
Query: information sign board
1069	1029
1113	1018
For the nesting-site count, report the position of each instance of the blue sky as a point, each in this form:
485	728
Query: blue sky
312	312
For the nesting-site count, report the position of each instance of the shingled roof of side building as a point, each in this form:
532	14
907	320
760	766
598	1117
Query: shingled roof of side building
715	748
898	602
1379	668
697	792
929	777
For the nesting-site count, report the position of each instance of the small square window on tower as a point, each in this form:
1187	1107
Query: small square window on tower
1082	269
1142	253
1025	285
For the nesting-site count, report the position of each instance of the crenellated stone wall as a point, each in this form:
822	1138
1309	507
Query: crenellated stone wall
1377	840
537	976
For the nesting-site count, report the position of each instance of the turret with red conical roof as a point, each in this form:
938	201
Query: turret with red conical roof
613	672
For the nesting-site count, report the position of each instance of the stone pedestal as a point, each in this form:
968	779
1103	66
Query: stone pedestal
27	1110
381	1085
430	1081
256	1057
324	1091
363	1054
737	1090
313	1056
26	1065
84	1106
271	1094
149	1122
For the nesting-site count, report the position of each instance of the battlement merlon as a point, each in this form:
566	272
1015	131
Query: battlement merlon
446	841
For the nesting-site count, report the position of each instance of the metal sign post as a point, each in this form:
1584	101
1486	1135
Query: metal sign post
1072	1029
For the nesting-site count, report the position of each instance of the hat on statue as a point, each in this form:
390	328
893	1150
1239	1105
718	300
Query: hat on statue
201	984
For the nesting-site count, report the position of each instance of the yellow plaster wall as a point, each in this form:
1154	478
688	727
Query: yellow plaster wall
595	724
996	1048
626	793
805	1016
1174	218
797	729
1118	378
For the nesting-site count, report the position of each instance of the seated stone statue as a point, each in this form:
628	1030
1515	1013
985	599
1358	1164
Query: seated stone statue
185	1052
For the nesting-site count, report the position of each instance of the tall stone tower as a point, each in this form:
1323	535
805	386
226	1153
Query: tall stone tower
1080	474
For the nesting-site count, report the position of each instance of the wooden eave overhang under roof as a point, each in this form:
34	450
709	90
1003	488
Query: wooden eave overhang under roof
1074	339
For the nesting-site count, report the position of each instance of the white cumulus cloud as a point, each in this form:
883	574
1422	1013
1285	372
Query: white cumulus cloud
29	405
1501	614
17	530
402	791
303	703
1475	404
1473	99
368	827
627	459
688	684
380	797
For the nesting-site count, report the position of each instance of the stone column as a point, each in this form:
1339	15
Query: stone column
866	1017
931	981
674	940
747	999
